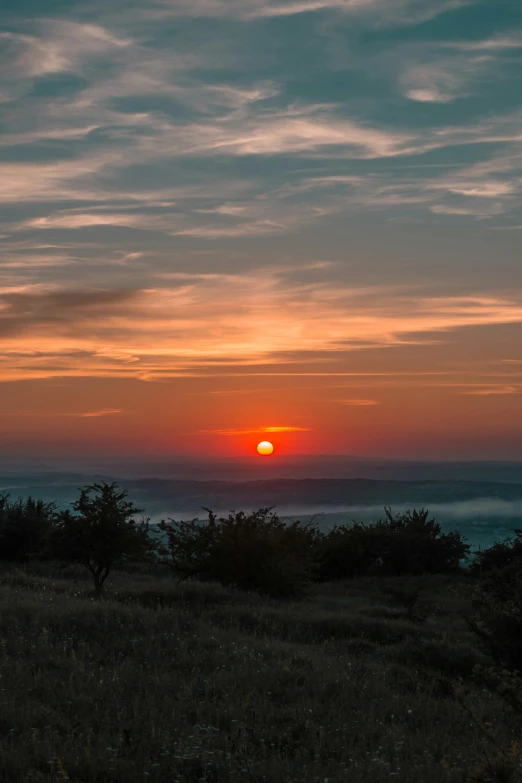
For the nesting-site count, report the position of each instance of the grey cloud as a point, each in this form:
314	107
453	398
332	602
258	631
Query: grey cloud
23	311
377	11
62	46
496	43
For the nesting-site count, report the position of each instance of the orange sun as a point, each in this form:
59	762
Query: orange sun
265	448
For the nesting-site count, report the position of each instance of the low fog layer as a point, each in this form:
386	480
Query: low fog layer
481	522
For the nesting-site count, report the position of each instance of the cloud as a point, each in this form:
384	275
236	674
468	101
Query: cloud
495	43
441	82
360	403
97	414
192	133
494	391
296	129
23	311
487	189
379	12
473	210
429	74
439	70
260	430
60	414
286	429
62	47
257	320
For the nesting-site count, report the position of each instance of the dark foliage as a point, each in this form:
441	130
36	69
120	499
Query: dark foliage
407	543
497	624
414	544
254	551
497	601
348	551
500	555
24	525
259	552
101	534
498	615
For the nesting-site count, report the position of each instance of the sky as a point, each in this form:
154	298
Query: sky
226	221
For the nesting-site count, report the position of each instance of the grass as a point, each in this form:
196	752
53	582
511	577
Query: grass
208	684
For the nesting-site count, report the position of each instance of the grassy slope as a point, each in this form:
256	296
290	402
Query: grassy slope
207	684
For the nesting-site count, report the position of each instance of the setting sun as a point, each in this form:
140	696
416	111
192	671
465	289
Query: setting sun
265	448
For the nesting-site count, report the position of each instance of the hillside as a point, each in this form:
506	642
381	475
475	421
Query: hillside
207	684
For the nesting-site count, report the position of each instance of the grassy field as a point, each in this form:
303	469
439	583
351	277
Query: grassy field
208	684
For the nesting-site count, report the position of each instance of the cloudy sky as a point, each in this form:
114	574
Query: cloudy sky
226	218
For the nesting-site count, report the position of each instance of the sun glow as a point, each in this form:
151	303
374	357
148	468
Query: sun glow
265	448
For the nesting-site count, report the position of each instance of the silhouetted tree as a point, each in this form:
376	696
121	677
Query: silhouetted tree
102	533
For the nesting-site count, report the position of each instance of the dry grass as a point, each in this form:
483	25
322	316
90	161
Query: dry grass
207	684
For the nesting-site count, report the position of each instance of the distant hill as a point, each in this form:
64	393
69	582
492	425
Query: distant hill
178	495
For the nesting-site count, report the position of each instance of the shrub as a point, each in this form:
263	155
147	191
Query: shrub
348	551
408	543
499	555
497	621
255	551
414	544
407	597
24	525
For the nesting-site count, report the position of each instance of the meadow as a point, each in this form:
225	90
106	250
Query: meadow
354	682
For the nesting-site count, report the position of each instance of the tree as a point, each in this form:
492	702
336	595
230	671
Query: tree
102	532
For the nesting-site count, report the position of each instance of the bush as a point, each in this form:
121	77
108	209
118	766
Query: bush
499	555
24	525
254	551
408	543
497	622
414	544
348	551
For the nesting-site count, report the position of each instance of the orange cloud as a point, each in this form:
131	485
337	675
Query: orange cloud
201	325
360	402
498	390
82	415
260	430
